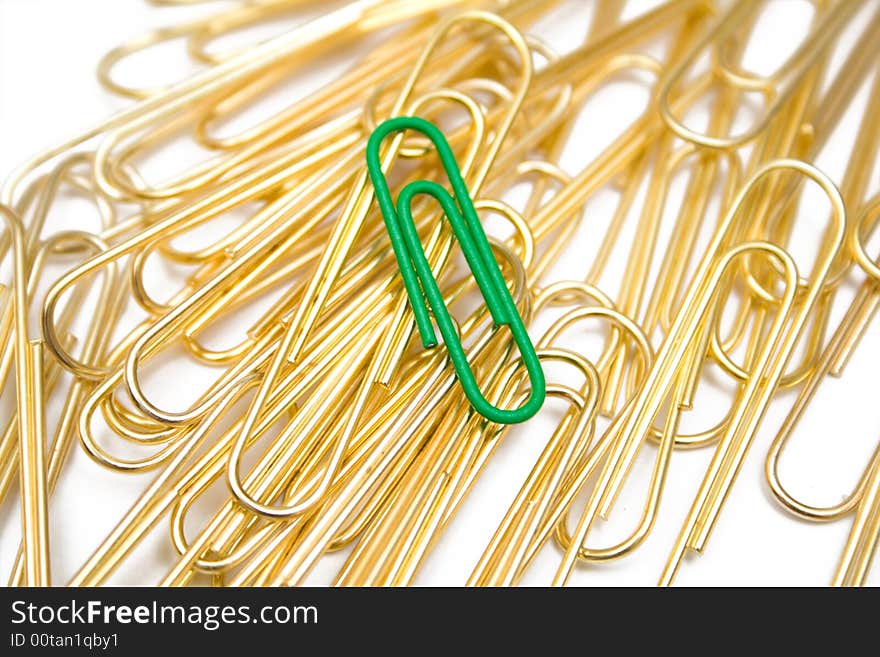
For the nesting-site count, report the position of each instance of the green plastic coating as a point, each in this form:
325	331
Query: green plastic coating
419	279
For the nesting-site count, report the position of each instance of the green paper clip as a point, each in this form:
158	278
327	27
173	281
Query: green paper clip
419	280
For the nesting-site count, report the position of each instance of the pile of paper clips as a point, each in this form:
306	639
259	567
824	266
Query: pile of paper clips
327	423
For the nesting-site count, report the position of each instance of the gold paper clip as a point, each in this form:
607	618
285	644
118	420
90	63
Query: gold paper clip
31	423
769	361
778	87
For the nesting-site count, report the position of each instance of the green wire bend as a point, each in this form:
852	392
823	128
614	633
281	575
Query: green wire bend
419	279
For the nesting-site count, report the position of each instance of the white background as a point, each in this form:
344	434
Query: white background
48	92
